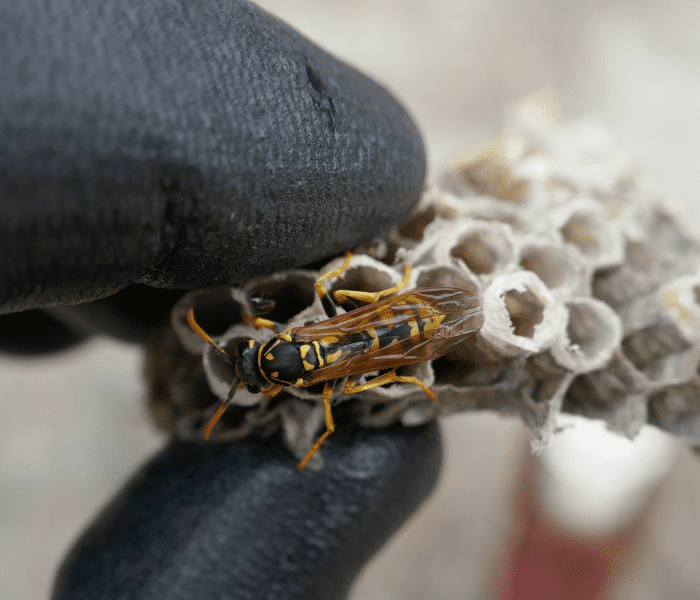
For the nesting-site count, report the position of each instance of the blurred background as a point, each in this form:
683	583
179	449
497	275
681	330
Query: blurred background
73	426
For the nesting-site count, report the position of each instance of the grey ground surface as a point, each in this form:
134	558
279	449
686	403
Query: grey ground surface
72	427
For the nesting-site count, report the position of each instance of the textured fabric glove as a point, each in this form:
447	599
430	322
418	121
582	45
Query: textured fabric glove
151	147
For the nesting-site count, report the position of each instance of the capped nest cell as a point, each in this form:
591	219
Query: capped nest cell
589	286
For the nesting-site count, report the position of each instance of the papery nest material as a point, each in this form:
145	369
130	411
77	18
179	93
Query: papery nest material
589	285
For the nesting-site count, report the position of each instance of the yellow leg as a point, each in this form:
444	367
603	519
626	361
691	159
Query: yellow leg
259	323
272	391
330	426
318	286
351	386
342	295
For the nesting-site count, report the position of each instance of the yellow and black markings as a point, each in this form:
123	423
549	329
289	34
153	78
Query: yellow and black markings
389	332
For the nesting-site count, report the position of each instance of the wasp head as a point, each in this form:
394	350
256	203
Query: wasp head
246	361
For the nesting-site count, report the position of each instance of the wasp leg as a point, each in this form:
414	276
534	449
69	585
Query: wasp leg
326	302
272	391
259	323
351	386
343	296
205	336
330	425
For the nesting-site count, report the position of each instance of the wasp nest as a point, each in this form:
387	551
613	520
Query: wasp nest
589	286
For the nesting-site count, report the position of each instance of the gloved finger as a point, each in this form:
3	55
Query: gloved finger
130	315
241	522
36	332
183	144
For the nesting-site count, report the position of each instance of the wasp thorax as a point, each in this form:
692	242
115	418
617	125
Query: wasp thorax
287	362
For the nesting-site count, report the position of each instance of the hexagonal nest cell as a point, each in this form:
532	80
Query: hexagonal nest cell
588	284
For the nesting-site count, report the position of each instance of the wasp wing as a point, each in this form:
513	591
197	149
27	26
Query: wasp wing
430	322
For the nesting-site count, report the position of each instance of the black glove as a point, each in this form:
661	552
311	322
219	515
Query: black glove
152	146
241	522
183	144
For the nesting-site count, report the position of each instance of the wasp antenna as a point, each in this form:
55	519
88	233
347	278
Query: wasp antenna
205	336
220	411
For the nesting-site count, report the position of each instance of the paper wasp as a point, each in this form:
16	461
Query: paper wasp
388	332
